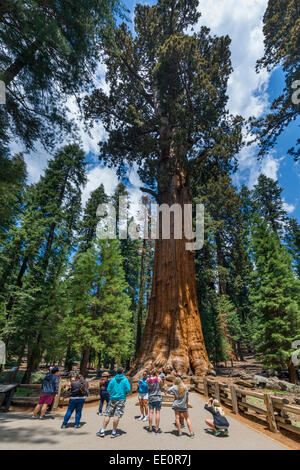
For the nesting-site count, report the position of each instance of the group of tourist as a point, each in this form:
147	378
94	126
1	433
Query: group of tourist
113	392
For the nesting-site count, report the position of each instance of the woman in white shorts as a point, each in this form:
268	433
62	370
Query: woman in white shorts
143	397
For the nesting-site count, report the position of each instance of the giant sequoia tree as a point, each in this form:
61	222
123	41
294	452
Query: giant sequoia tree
166	113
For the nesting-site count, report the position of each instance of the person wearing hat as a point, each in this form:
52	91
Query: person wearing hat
50	386
219	422
117	388
104	395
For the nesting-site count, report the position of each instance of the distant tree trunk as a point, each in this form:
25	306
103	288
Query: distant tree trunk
141	300
29	369
69	359
20	357
84	361
239	351
173	339
220	260
34	355
292	373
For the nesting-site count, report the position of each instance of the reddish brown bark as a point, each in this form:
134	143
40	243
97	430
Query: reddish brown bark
173	339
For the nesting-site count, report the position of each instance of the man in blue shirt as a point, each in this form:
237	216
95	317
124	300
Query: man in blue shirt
143	397
118	388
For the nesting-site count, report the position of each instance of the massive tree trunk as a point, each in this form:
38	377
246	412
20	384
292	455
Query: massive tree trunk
141	299
173	339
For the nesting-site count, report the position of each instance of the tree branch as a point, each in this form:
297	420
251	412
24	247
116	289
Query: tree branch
149	191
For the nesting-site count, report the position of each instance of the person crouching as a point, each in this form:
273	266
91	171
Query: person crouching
219	422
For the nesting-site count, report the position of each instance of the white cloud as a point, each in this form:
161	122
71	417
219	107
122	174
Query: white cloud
289	208
37	159
270	166
242	21
96	176
247	90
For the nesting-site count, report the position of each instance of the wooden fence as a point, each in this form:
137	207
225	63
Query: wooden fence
276	411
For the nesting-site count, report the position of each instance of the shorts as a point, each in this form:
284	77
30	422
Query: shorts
143	396
155	405
180	410
46	399
115	408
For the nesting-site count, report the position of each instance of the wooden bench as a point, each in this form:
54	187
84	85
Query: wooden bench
7	390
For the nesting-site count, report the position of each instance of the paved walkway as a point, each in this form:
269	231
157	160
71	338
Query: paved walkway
18	431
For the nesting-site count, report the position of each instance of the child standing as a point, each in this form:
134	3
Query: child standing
143	397
104	395
219	422
180	406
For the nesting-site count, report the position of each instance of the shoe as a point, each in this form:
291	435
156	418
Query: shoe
78	426
145	418
100	434
34	417
192	435
114	434
149	430
179	434
217	433
182	426
225	432
63	426
158	431
141	418
42	417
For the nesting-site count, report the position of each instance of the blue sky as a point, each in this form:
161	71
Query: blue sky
250	94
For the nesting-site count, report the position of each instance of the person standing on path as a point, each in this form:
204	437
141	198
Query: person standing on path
118	388
143	397
180	405
155	385
78	392
104	395
50	387
219	423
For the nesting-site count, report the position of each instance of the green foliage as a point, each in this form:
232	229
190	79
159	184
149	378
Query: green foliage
274	296
12	183
282	47
167	95
50	52
292	240
268	203
99	315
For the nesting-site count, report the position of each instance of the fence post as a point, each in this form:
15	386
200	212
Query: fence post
217	391
205	387
234	400
55	402
270	413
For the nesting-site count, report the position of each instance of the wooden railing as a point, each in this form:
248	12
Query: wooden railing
275	410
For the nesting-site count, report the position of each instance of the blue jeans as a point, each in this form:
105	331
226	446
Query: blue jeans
104	396
77	405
